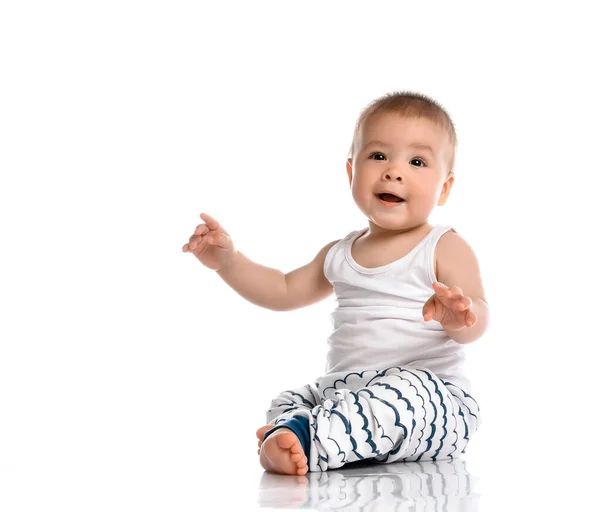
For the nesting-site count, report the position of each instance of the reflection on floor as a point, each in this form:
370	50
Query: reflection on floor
424	486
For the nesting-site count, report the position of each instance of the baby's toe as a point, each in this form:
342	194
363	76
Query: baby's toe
260	433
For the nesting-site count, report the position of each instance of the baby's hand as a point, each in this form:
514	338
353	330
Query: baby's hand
449	307
211	244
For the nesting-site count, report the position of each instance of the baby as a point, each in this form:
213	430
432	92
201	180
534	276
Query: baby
409	297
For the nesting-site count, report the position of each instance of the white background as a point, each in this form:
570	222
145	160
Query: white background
132	377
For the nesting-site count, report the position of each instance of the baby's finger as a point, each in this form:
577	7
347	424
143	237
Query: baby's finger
441	290
220	239
210	222
200	230
198	242
429	309
455	292
470	319
427	313
193	240
463	303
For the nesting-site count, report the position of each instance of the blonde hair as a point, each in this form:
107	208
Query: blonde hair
408	104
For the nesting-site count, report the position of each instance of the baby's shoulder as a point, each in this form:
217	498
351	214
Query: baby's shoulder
451	244
452	250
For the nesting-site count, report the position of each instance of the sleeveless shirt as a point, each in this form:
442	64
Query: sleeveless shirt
378	322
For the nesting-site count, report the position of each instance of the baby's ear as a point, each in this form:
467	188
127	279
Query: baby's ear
349	170
446	190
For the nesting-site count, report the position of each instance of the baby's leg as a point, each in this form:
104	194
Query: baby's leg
419	414
395	414
285	405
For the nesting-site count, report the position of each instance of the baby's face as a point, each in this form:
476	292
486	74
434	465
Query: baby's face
403	156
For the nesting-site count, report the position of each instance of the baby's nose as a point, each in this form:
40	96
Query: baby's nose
393	175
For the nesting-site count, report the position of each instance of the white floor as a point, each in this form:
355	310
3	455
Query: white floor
125	474
503	483
424	486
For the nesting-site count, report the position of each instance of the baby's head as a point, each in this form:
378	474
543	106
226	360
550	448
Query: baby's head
404	144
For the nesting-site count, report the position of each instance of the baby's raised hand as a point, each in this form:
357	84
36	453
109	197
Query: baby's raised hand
449	307
211	244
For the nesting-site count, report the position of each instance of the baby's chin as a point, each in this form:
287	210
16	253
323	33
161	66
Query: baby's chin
389	223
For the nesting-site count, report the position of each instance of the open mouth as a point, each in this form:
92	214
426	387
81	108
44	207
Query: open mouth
390	198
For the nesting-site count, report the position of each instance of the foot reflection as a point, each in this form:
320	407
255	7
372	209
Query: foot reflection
443	485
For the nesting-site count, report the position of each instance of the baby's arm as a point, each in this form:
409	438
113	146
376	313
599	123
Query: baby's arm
456	265
272	289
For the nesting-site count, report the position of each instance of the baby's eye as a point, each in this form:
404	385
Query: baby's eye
417	160
374	155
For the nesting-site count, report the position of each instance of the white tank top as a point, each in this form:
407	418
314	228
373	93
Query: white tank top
378	322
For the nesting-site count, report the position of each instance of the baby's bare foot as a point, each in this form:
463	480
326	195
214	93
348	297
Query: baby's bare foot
282	453
260	433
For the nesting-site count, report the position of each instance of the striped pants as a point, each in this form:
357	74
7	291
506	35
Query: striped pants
397	414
